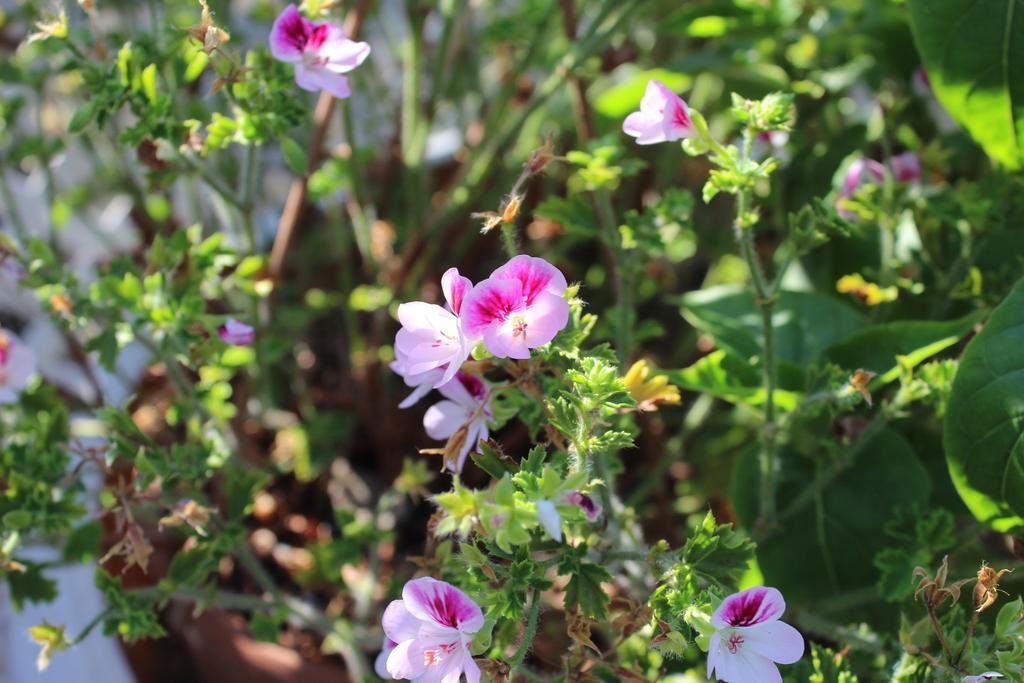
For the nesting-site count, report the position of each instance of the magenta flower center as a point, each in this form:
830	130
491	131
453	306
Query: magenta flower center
473	384
679	117
734	642
748	609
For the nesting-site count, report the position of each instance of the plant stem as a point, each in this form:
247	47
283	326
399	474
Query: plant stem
247	190
967	639
939	633
764	297
508	239
516	659
12	208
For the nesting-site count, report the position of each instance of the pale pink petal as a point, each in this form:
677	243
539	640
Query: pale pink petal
645	127
316	79
775	640
342	54
444	419
548	316
752	606
503	342
656	97
380	665
987	676
455	288
407	660
714	653
442	604
399	623
471	669
490	302
535	274
289	35
465	389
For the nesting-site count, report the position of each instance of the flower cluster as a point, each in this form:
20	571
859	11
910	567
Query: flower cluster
520	307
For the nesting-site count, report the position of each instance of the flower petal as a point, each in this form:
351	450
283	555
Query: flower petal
545	318
455	288
444	419
535	274
775	640
380	665
407	660
488	303
752	606
399	623
289	35
549	518
316	79
442	604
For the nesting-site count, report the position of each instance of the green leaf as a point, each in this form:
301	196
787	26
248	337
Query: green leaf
584	589
295	156
828	544
490	461
805	323
726	377
974	54
82	117
875	348
984	425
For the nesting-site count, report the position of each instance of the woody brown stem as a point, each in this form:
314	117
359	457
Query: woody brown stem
295	204
939	633
967	638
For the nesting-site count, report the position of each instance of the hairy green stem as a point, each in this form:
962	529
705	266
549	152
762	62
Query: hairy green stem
508	239
516	660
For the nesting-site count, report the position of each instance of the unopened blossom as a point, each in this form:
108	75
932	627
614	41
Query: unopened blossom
320	51
663	117
433	627
237	333
17	366
749	640
771	143
987	676
591	508
52	638
432	338
906	167
466	404
519	307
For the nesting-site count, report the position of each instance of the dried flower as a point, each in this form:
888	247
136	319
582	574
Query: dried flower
205	32
133	547
860	380
190	513
986	591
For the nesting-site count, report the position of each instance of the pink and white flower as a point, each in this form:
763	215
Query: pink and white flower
321	53
237	333
860	173
663	117
17	366
987	676
750	640
431	337
432	626
519	307
464	405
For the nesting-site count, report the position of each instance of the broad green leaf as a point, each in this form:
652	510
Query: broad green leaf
984	425
875	348
731	379
974	53
805	323
828	545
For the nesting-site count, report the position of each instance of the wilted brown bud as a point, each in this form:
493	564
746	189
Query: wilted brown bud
987	589
206	32
935	590
133	548
190	513
541	157
860	381
578	628
494	670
